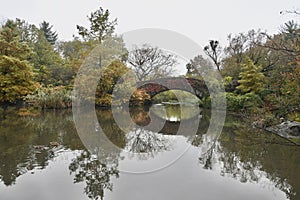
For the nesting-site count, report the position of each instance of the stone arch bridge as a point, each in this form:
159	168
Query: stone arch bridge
192	85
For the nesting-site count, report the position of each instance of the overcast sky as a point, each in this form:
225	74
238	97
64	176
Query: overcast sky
200	20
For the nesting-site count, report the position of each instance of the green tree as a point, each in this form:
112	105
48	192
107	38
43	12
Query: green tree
74	52
48	64
15	71
28	32
251	77
285	93
110	76
49	34
242	45
100	26
110	50
198	67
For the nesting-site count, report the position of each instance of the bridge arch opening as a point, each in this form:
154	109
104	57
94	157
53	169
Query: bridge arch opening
176	96
153	87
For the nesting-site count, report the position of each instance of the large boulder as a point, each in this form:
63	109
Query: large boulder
286	129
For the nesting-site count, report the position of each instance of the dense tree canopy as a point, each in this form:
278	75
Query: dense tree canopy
110	76
45	61
251	64
15	71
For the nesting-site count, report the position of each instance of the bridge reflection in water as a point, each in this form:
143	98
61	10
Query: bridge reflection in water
172	114
248	163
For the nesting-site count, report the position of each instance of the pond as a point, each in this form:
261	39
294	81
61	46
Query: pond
44	157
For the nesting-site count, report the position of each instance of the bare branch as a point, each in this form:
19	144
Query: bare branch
151	63
213	50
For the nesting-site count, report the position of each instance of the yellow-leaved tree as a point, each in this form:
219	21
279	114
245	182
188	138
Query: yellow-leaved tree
251	78
16	78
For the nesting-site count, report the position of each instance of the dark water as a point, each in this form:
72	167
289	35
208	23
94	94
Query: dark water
43	158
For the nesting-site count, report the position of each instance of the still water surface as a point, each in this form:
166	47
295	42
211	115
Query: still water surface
43	158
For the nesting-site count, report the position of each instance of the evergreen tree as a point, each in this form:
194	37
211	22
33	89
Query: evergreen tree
15	71
251	77
50	35
48	64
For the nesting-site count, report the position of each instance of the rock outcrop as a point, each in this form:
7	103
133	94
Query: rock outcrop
286	129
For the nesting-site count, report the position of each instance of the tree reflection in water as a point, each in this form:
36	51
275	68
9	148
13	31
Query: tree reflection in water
242	153
146	144
252	156
96	174
24	142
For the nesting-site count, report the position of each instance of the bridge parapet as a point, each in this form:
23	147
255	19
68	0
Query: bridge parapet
154	87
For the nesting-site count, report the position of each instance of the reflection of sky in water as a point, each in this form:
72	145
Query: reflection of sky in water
232	170
173	118
54	182
185	179
175	112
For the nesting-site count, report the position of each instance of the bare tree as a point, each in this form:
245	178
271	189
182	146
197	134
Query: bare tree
296	12
213	50
151	62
